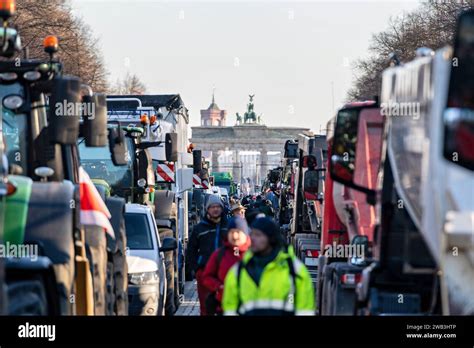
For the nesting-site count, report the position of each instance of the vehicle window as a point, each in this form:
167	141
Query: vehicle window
408	138
13	128
138	231
97	162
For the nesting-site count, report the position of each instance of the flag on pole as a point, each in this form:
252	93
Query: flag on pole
93	209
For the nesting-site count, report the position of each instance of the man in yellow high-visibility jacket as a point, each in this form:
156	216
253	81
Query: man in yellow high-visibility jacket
269	280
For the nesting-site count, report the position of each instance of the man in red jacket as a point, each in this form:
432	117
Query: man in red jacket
222	259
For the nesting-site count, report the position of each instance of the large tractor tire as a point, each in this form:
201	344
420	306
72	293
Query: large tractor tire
27	297
96	251
110	290
117	258
170	307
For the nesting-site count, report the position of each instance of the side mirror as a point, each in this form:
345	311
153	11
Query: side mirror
360	240
342	164
197	161
362	249
95	120
145	168
12	42
171	147
274	176
118	147
309	162
311	181
65	110
458	117
459	136
169	244
291	149
204	174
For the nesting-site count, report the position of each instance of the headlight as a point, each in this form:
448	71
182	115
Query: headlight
8	76
13	102
32	75
145	278
141	182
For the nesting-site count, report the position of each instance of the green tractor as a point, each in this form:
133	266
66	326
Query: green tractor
40	121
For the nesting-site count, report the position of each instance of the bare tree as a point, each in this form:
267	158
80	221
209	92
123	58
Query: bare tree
130	84
432	25
78	50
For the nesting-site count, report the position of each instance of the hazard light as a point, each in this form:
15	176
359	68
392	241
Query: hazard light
351	278
50	44
312	253
144	119
312	258
7	9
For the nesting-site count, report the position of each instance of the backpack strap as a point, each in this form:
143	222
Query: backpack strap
220	256
291	268
239	271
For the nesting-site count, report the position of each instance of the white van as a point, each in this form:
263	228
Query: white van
145	260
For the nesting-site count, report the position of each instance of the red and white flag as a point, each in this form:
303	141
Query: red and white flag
93	209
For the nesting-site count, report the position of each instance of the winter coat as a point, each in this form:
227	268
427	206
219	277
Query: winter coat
219	264
204	239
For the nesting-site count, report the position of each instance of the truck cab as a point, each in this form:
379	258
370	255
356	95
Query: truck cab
156	126
349	220
422	249
306	170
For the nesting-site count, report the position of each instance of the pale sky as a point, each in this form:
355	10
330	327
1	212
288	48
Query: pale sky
295	56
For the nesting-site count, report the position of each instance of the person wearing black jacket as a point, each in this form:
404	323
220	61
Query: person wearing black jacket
205	238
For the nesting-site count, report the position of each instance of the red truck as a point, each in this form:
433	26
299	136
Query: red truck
348	220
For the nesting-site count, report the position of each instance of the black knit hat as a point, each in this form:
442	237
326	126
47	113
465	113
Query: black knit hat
270	229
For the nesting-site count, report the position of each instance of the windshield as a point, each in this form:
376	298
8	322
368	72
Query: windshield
97	162
138	231
13	128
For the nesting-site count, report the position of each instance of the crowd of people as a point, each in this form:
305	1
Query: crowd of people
242	264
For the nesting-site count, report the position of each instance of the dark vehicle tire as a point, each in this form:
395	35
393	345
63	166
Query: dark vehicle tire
178	294
188	274
110	290
326	292
170	307
180	278
27	297
170	281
